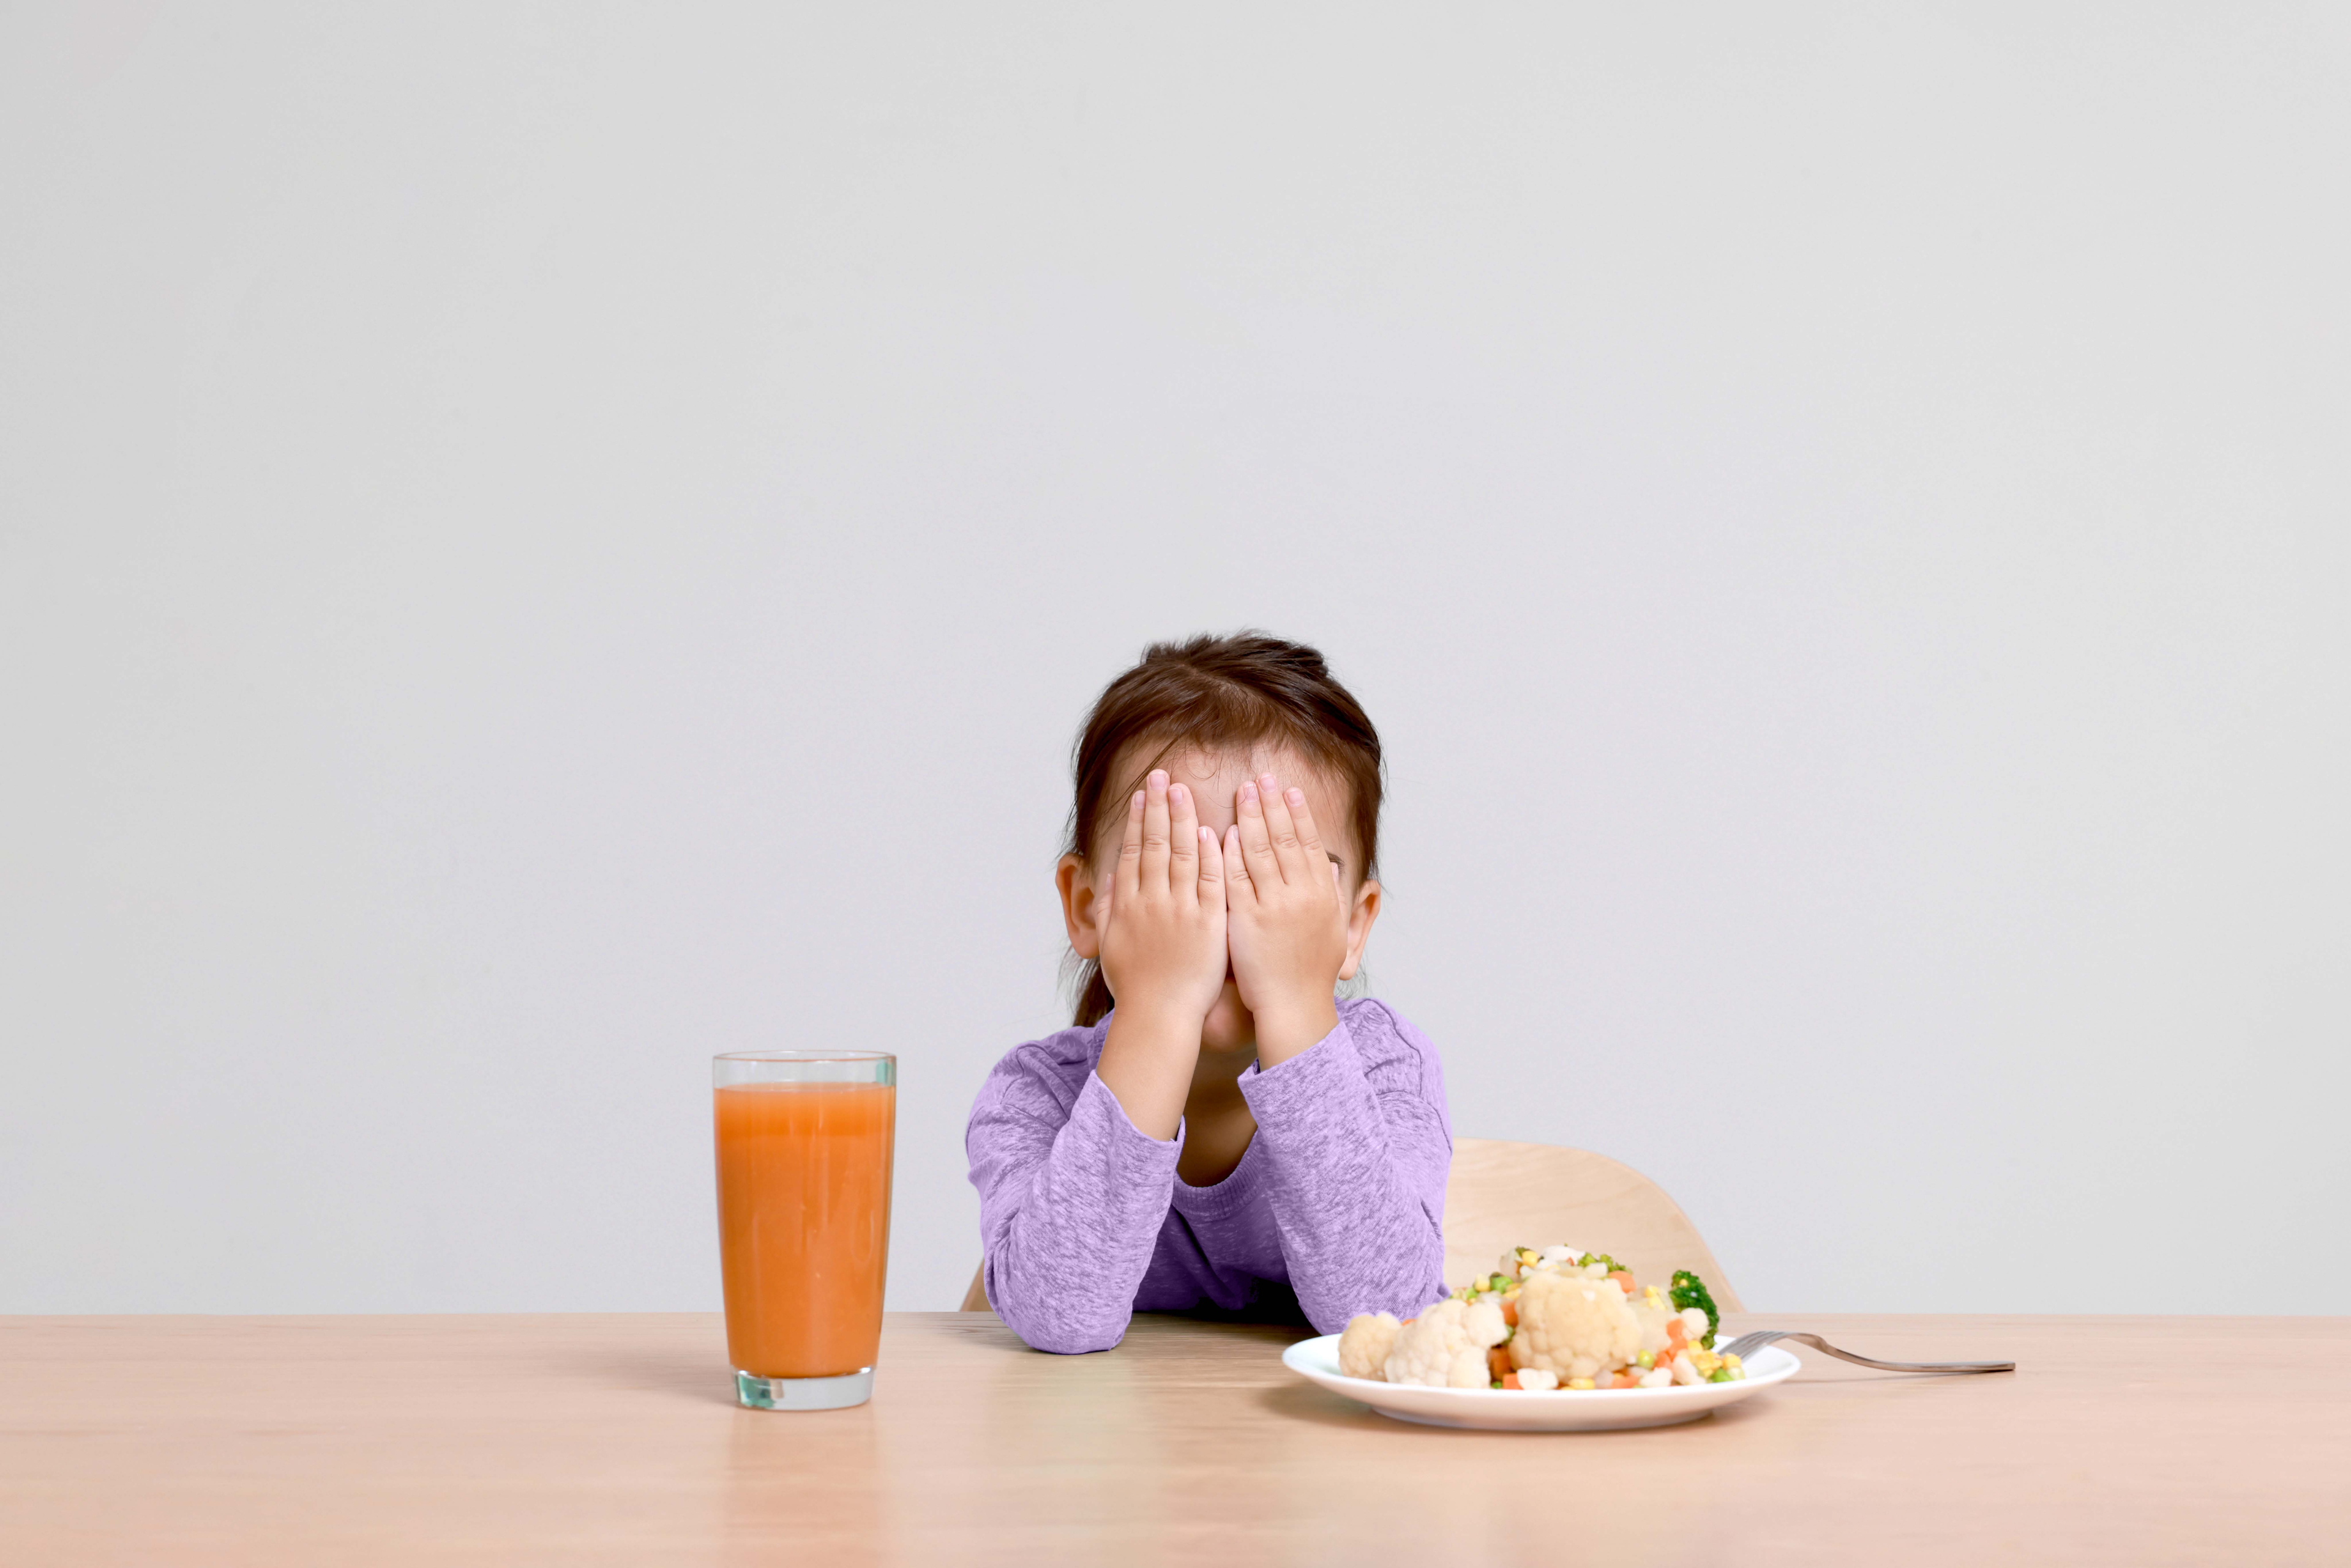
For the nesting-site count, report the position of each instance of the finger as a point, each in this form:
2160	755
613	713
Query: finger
1212	868
1182	844
1128	876
1313	850
1238	890
1154	831
1287	851
1257	849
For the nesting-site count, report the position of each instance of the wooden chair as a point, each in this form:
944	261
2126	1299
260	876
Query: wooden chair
1532	1194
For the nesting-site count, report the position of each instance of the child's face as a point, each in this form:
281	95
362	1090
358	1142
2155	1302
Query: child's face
1214	779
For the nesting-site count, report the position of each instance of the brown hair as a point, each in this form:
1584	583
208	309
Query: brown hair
1218	692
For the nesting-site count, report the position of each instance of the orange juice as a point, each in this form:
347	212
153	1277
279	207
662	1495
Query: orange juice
804	1223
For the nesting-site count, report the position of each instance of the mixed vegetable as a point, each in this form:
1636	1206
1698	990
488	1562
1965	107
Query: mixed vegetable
1557	1318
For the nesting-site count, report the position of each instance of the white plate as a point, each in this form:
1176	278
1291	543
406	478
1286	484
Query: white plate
1510	1410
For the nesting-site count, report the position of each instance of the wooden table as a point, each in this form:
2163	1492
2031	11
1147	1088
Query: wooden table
587	1439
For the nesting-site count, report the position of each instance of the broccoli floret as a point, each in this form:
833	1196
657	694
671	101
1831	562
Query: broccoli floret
1688	1291
1589	1259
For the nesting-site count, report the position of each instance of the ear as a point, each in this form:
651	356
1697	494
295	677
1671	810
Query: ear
1359	926
1079	912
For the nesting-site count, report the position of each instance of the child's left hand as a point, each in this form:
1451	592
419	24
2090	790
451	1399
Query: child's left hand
1287	924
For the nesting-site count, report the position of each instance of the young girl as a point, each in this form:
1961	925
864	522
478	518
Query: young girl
1228	1136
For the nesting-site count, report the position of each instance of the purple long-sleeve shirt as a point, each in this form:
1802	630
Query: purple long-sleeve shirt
1340	1197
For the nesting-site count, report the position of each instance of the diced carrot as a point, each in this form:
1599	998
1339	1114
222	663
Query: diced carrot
1509	1311
1676	1332
1509	1380
1623	1380
1625	1278
1498	1362
1407	1323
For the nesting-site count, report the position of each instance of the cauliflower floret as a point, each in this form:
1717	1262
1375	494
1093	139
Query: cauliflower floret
1575	1326
1482	1322
1445	1347
1554	1257
1653	1311
1535	1380
1695	1323
1364	1348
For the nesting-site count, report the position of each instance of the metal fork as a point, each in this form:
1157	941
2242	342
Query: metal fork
1748	1344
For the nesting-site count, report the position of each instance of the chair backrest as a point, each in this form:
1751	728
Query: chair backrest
1534	1195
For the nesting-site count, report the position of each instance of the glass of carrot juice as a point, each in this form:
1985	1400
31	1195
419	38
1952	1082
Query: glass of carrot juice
805	1139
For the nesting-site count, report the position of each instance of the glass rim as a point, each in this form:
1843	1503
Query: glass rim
805	1056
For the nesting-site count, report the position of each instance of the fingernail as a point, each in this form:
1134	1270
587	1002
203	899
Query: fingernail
1207	836
1249	791
1138	798
1296	796
1157	779
1175	793
1269	781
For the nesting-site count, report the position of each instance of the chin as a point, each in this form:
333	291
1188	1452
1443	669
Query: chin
1228	1026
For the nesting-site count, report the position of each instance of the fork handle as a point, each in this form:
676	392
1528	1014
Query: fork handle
1825	1348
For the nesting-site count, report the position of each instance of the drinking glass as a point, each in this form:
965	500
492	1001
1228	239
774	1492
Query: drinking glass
805	1139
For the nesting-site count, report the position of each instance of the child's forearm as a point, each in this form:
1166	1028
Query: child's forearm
1147	1063
1286	1029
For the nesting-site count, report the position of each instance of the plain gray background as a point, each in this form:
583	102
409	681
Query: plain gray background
541	543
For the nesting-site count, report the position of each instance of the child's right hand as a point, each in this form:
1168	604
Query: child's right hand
1162	935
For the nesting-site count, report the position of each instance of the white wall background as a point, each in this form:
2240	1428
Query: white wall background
541	543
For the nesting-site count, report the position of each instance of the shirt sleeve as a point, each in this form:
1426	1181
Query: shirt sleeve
1357	1147
1069	1214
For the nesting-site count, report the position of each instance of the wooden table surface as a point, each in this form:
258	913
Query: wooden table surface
591	1439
